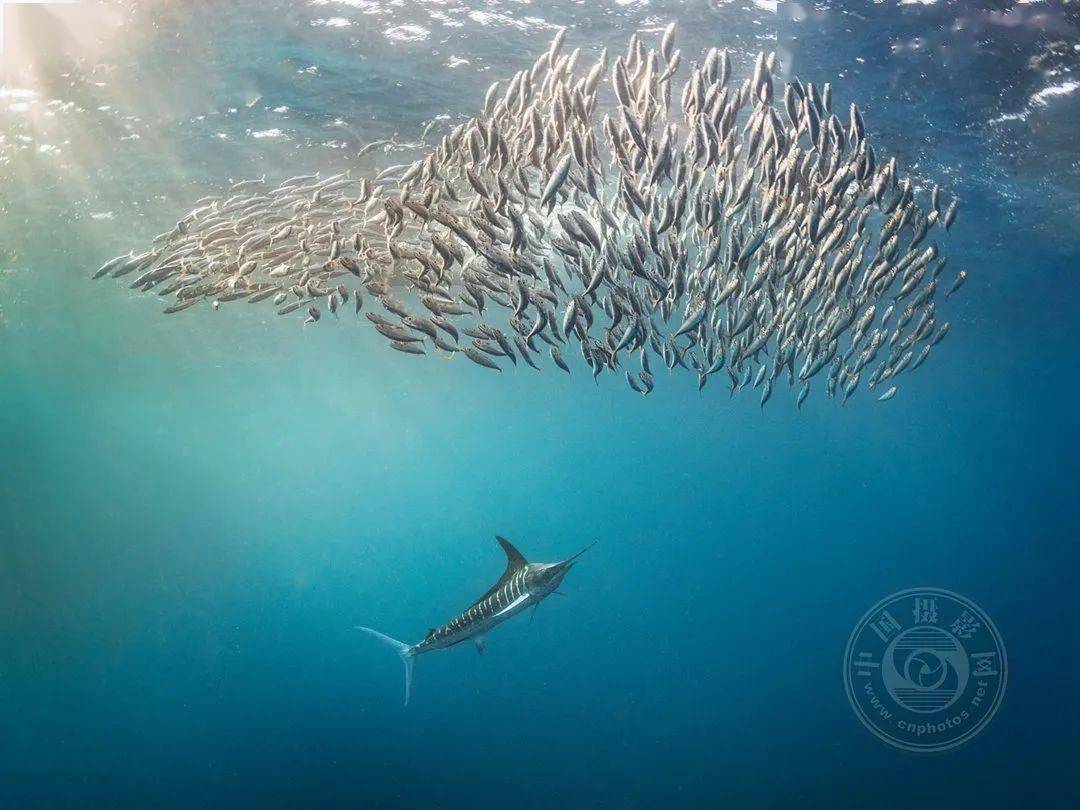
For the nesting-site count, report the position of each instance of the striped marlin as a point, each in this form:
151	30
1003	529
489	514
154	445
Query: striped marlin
523	584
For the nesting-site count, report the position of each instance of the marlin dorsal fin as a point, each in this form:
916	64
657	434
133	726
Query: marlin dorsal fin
514	558
515	561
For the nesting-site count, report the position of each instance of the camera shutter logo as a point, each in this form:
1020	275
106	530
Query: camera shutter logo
925	669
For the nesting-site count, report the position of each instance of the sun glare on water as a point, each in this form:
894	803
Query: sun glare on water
44	29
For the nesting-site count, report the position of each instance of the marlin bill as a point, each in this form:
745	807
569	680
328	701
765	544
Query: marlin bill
522	585
597	214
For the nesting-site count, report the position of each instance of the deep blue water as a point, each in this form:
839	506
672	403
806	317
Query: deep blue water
195	511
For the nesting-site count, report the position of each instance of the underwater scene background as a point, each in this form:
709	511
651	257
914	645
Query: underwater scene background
196	510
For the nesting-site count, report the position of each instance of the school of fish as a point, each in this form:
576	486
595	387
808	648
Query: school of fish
750	233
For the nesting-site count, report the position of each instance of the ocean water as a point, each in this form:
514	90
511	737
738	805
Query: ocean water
196	510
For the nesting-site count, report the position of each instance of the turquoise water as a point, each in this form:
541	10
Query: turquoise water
196	510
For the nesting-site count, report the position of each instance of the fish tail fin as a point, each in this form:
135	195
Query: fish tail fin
408	655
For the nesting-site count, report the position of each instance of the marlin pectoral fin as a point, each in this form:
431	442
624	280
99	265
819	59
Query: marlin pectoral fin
480	642
513	606
533	614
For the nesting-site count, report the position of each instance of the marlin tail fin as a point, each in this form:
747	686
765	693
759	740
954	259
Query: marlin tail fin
403	649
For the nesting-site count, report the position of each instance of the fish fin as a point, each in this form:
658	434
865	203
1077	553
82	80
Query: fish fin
514	558
515	561
480	642
533	614
407	653
513	605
